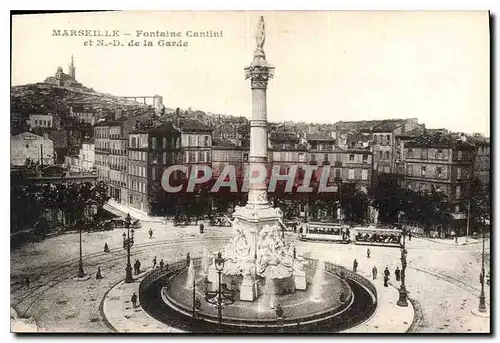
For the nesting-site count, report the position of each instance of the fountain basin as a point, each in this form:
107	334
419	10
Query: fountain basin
336	297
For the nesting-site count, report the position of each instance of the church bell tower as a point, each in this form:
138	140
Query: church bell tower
72	69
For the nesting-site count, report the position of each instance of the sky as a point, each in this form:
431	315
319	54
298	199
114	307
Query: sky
330	66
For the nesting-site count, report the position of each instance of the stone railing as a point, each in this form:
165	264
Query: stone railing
157	273
345	273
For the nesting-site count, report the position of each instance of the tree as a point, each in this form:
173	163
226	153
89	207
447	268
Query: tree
388	197
480	202
354	203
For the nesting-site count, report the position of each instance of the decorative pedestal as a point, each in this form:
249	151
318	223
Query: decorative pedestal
213	277
300	280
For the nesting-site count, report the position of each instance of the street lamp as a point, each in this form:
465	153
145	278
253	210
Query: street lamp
81	273
403	297
220	298
128	242
482	300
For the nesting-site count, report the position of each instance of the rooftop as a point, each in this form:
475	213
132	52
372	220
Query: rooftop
360	125
282	136
440	140
188	125
218	143
388	125
319	136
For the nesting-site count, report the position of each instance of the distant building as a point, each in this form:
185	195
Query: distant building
196	140
384	142
111	154
482	161
82	116
444	163
41	120
224	153
64	80
151	150
27	146
85	159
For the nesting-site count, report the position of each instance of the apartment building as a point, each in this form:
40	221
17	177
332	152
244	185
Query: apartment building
444	163
151	150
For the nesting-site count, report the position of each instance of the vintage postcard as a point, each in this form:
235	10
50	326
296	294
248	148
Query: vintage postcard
250	172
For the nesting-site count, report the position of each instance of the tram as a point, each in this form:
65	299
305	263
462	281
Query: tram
331	232
377	236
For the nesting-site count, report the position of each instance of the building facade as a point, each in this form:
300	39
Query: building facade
151	150
384	142
196	141
442	163
41	120
27	146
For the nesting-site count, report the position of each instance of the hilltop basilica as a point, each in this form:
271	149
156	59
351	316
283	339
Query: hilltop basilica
64	80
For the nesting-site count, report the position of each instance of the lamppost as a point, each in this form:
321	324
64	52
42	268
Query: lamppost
196	300
403	298
128	242
482	300
220	298
81	273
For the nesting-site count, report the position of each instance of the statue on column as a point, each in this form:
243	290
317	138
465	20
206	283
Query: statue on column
260	36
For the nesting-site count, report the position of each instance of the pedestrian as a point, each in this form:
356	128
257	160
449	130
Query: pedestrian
387	272
409	236
134	300
368	252
456	239
202	227
188	259
162	264
386	281
150	233
294	253
374	272
397	272
98	275
27	282
138	267
106	248
154	262
355	265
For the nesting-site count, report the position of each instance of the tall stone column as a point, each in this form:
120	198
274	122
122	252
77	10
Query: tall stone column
259	72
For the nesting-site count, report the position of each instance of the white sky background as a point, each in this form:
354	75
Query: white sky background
330	66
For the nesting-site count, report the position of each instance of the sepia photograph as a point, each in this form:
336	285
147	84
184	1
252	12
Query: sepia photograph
250	172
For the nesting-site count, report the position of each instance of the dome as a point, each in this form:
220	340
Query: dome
59	69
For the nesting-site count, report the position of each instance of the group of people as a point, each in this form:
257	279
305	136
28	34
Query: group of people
387	273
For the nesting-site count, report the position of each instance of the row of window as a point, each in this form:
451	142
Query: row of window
196	140
40	122
439	172
138	155
197	156
384	155
351	173
138	186
137	170
383	139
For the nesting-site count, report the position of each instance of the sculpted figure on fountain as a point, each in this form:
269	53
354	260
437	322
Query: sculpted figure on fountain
237	252
274	260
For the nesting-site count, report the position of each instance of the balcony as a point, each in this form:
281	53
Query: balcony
337	164
313	163
326	163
